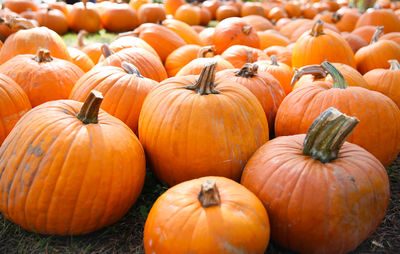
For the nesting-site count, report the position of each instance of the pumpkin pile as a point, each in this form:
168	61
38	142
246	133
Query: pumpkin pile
266	119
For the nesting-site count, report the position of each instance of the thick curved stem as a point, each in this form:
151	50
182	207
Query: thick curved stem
209	194
247	71
317	29
43	55
81	37
90	109
327	134
338	79
131	69
394	65
205	83
314	69
206	50
376	35
105	49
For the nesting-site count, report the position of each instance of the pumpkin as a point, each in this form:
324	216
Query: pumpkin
19	6
226	11
160	38
308	11
283	54
5	29
288	29
14	103
238	55
130	42
200	203
395	36
172	5
149	65
258	22
309	26
263	85
211	6
320	182
382	140
118	18
377	54
29	14
151	13
180	57
80	59
61	158
61	6
386	81
206	36
42	77
233	31
252	8
276	14
189	14
52	19
345	22
206	55
198	29
83	17
365	32
92	50
205	16
186	32
382	17
292	9
270	38
356	42
193	110
282	72
135	4
124	90
29	41
320	44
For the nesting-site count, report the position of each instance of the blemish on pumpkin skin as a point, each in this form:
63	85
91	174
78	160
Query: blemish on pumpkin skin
35	150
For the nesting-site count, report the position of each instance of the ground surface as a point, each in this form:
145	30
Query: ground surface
126	235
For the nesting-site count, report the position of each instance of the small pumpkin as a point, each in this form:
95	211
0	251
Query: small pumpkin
270	38
84	17
186	32
130	42
151	13
190	14
80	59
53	19
365	32
92	50
19	6
356	42
258	22
238	55
181	57
172	5
252	8
226	11
119	18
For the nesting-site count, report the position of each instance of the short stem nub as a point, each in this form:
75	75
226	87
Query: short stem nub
208	50
318	28
338	79
205	82
394	65
327	134
247	71
43	55
131	69
90	109
209	194
376	35
247	30
274	60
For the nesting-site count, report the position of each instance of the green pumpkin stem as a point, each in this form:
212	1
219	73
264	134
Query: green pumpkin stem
394	65
131	69
338	79
90	109
43	55
105	49
205	82
376	35
318	28
206	50
327	134
274	60
247	71
313	69
209	194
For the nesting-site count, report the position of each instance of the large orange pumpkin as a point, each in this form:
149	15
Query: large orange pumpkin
189	14
380	17
201	203
195	126
19	6
42	77
378	137
53	19
323	195
119	18
70	166
151	13
319	44
84	17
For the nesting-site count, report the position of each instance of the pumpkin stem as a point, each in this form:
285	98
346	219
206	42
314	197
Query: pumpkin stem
81	37
377	6
205	82
205	50
274	60
130	33
15	24
131	69
327	134
209	194
247	29
314	69
317	29
43	55
336	17
84	3
394	65
90	108
376	35
247	71
338	79
105	49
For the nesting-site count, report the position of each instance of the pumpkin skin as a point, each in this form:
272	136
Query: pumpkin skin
31	40
270	38
172	5
197	234
151	13
342	201
212	6
188	14
123	92
386	81
119	18
14	103
92	50
19	6
206	36
83	16
317	45
238	55
382	140
52	78
80	59
226	11
53	19
233	31
87	188
283	54
395	36
181	57
258	22
356	42
193	120
365	32
186	32
385	18
130	42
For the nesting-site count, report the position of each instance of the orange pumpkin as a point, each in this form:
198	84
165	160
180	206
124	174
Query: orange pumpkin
151	13
201	202
288	29
386	81
53	78
206	36
382	140
303	181
252	8
198	109
119	18
189	14
270	38
258	22
5	29
124	90
130	42
172	5
345	22
319	44
61	6
395	36
135	4
84	17
283	54
276	14
92	50
309	26
226	11
233	31
181	57
52	19
80	59
186	32
365	32
238	55
205	16
380	17
19	6
211	6
356	42
292	9
60	158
